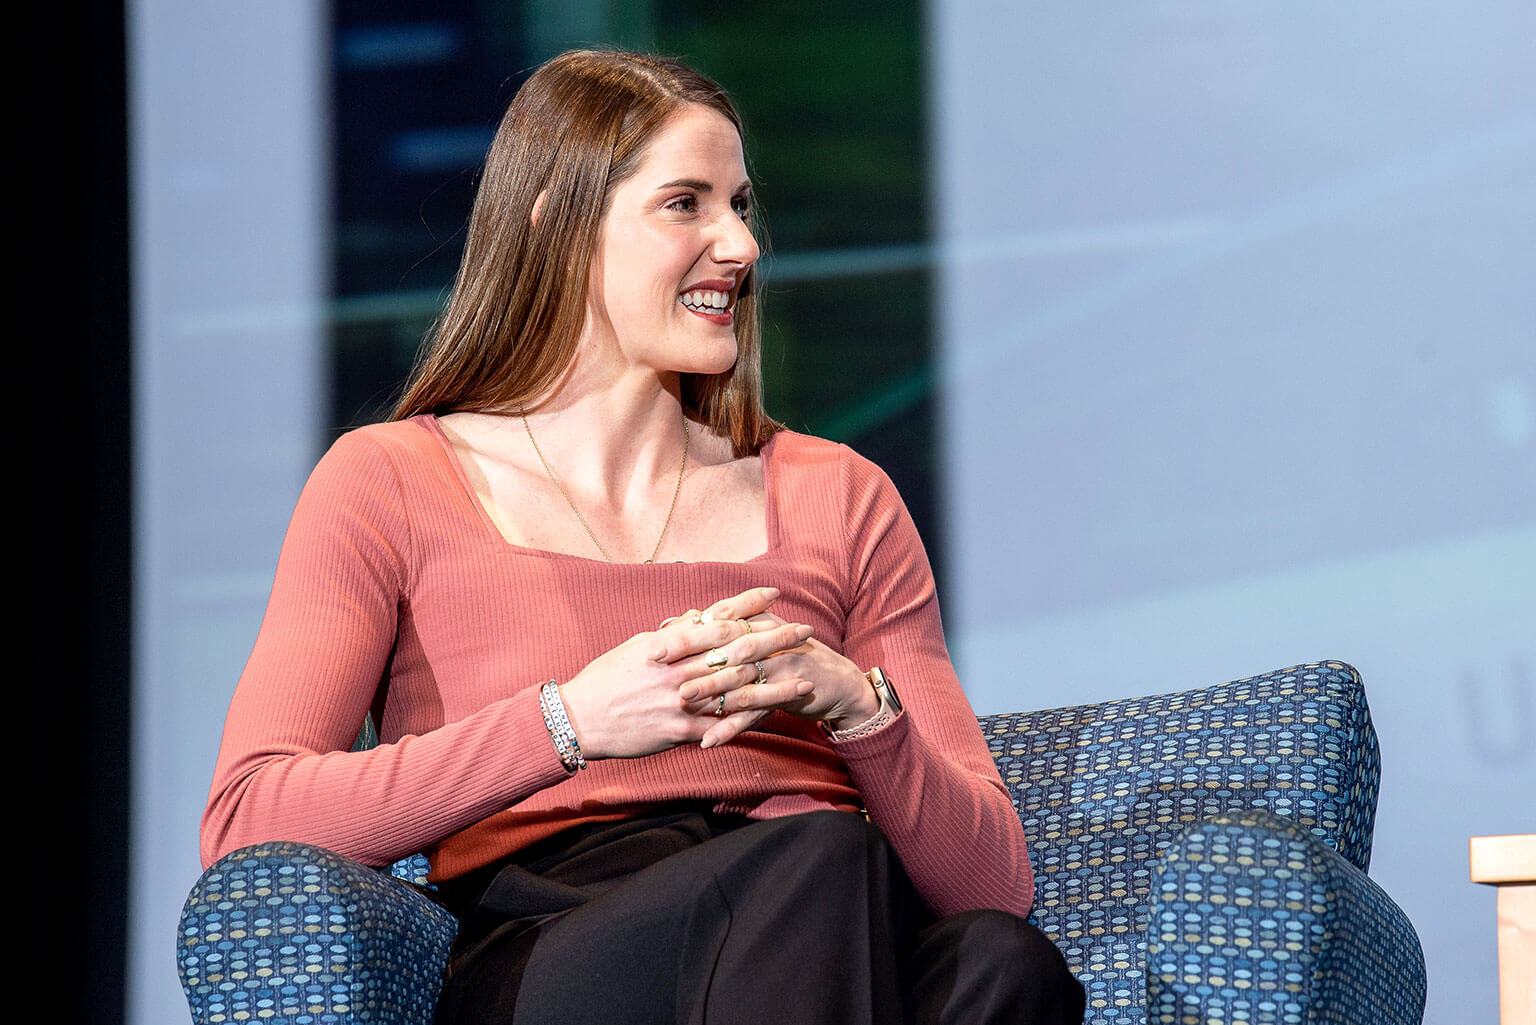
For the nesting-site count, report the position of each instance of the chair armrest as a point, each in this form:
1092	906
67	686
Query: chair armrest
1253	919
291	933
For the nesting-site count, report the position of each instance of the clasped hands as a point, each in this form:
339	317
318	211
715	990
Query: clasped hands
665	687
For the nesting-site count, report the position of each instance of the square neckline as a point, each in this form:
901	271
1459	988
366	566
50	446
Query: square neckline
430	424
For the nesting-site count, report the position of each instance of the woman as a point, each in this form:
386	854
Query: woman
633	649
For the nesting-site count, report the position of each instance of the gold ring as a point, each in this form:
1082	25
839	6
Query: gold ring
746	624
720	708
716	659
762	672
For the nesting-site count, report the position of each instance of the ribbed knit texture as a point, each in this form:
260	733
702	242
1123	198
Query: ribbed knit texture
395	592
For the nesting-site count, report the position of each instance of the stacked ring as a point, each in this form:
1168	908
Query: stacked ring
762	672
720	708
746	624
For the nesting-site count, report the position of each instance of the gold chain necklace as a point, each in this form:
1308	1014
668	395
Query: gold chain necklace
583	520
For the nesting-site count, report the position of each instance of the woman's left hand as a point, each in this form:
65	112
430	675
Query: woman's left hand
840	694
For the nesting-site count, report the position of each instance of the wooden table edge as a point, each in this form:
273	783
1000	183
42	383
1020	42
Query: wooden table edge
1503	859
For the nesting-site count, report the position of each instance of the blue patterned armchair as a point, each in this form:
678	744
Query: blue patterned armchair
1199	858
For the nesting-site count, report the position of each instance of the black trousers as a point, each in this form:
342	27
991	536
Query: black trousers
693	917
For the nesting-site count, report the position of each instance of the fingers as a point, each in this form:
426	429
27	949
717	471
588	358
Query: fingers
733	664
762	643
713	683
742	640
748	696
742	708
730	727
748	603
744	605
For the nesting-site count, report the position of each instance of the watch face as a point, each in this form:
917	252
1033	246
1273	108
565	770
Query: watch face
885	687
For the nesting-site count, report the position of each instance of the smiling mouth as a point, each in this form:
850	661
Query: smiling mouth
706	302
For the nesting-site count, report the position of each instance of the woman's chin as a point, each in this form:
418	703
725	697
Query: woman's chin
712	362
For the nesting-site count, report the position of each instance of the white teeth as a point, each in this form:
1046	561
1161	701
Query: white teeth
706	301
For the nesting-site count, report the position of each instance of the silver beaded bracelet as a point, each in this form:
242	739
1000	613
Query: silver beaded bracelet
559	726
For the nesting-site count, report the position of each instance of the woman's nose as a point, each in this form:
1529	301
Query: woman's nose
735	243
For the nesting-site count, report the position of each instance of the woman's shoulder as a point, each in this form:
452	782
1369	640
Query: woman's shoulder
811	461
382	459
827	493
788	447
392	437
397	443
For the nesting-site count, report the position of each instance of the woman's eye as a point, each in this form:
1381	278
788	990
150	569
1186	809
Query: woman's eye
743	207
684	204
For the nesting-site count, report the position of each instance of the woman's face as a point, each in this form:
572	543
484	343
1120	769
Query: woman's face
673	249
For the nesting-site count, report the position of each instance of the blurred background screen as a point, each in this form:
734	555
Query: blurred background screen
1237	364
1199	338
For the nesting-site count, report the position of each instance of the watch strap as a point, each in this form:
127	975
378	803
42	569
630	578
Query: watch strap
883	717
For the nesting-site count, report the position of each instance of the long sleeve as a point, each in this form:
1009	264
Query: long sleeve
396	594
927	779
330	631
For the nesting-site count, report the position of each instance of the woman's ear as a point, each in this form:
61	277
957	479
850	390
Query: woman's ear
538	208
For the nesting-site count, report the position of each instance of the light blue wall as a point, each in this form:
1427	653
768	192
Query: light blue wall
1238	328
228	148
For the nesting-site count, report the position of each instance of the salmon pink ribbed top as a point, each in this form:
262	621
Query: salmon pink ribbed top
395	593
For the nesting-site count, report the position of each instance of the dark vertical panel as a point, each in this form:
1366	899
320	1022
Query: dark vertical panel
419	87
833	97
69	364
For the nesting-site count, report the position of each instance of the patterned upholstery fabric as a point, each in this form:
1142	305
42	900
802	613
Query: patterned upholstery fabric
288	932
1254	916
1104	789
1252	919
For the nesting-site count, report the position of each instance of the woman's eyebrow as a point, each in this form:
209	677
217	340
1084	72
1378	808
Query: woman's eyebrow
699	185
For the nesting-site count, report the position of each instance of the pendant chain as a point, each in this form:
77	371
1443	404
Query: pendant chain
583	520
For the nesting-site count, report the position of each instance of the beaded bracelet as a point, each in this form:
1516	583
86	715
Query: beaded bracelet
559	726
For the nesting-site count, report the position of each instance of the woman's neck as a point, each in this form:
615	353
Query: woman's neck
613	438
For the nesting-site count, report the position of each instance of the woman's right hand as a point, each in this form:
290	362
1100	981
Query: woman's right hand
625	703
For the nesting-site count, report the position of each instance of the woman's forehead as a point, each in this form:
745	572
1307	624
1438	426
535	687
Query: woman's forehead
695	144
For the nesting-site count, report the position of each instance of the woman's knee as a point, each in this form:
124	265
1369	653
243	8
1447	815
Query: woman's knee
985	928
819	857
1000	957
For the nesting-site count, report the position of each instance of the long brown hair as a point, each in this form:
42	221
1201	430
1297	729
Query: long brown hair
576	129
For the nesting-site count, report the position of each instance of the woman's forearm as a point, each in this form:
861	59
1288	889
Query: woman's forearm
380	805
957	832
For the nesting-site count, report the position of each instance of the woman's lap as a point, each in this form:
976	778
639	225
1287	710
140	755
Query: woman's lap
806	918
